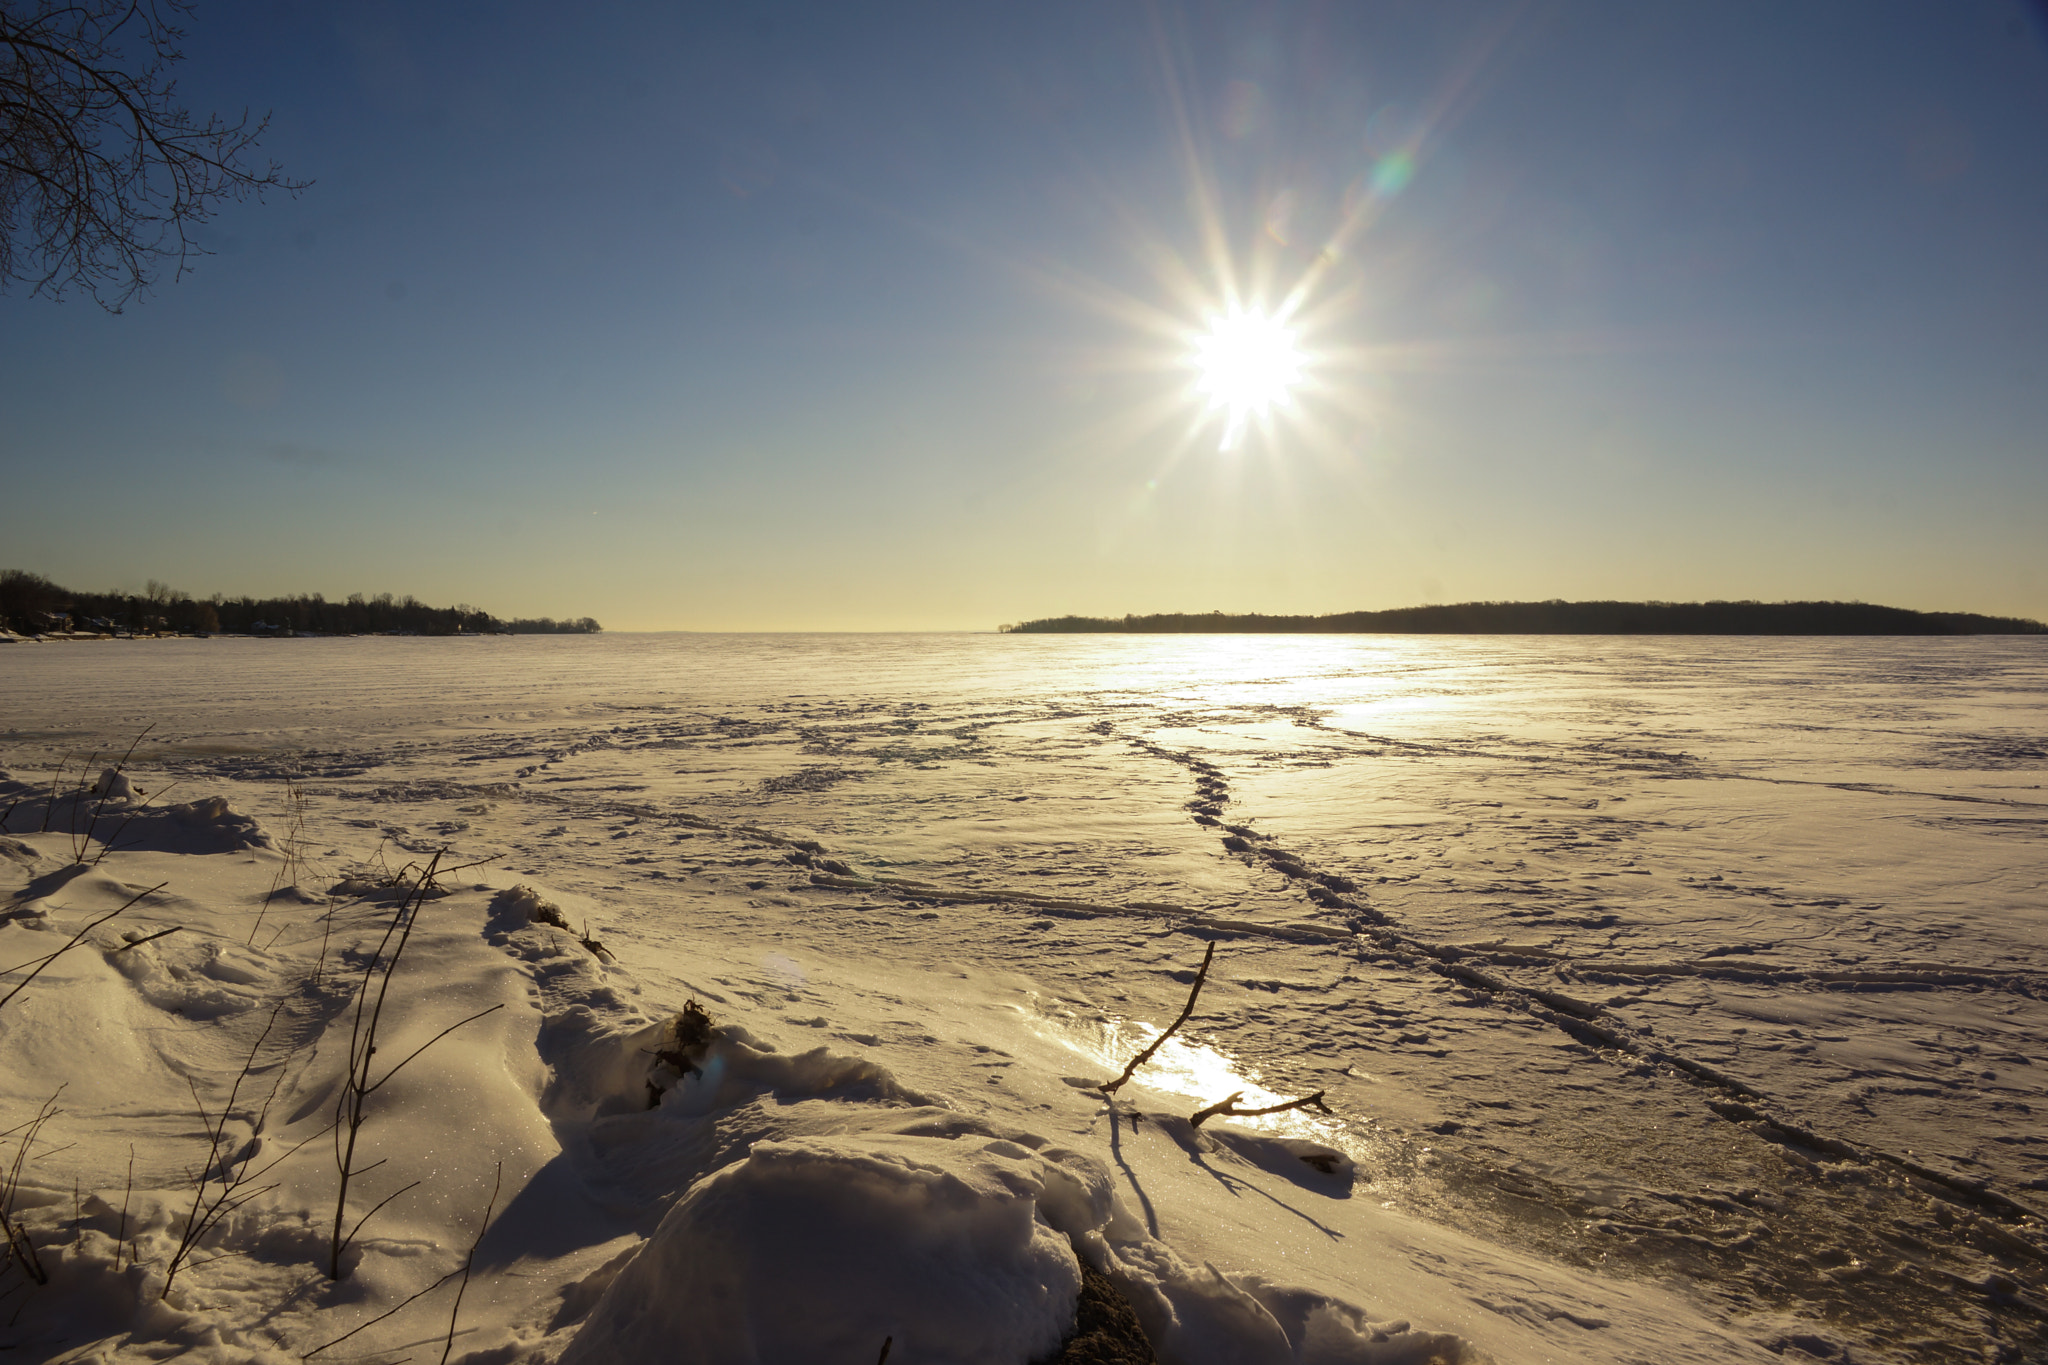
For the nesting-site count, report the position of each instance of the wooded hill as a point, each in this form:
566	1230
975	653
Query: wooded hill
1564	618
33	605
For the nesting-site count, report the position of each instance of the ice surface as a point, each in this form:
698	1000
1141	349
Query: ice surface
1676	999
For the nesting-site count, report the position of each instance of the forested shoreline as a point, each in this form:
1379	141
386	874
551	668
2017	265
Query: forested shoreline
33	605
1562	618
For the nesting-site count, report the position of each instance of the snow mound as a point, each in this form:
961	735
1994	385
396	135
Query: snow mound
116	790
209	825
738	1066
819	1249
816	1205
519	906
114	812
606	1058
199	979
961	1245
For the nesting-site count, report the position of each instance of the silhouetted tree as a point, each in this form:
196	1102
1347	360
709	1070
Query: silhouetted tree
26	597
104	175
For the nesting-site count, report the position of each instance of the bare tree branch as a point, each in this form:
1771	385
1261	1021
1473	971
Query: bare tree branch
1111	1087
1228	1108
105	177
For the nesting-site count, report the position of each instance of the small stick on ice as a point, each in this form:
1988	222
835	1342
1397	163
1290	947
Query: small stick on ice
1228	1108
1111	1087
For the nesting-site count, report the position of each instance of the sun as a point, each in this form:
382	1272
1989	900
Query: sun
1246	364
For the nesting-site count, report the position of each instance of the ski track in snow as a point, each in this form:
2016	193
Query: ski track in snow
1714	964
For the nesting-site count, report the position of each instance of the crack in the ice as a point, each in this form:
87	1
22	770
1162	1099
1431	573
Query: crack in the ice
1592	1026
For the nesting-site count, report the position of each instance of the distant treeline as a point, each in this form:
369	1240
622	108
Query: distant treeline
32	604
548	625
1566	618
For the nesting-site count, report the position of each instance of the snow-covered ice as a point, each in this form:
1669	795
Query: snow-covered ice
1674	999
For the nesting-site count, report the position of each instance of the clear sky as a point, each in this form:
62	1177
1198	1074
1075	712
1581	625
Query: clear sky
882	316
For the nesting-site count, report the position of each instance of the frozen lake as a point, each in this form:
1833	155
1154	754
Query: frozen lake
1714	963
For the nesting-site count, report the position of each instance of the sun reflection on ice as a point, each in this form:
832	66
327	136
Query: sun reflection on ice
1198	1073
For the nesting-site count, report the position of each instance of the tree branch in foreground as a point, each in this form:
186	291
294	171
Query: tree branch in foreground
1228	1108
1111	1087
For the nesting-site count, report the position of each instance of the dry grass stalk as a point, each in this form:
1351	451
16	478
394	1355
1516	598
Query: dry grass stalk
127	1190
351	1107
218	1189
114	839
497	1179
1111	1087
148	938
50	802
294	844
462	1270
104	789
15	1246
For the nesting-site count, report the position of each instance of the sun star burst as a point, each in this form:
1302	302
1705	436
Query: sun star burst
1246	364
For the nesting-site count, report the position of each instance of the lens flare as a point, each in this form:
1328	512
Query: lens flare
1246	364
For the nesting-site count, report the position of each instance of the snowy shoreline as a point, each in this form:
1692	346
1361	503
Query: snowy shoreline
918	1028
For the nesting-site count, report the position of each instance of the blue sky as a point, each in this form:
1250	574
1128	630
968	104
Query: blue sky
791	316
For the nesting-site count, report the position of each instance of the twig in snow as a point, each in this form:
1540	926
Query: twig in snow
470	1260
114	839
350	1111
326	931
361	1326
80	843
1111	1087
17	1246
294	850
377	1207
50	804
209	1208
77	800
41	962
121	1247
137	943
1228	1108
